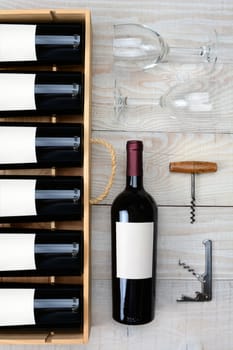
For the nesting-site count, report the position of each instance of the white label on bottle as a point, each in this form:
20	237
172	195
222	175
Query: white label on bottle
17	252
17	92
134	249
17	197
17	42
17	145
17	307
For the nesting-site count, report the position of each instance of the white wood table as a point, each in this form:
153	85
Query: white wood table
177	326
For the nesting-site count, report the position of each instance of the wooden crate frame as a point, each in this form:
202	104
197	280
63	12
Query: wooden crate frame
70	336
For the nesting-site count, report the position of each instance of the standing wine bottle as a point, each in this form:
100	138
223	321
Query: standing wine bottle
28	252
41	93
24	145
134	236
42	43
40	306
40	198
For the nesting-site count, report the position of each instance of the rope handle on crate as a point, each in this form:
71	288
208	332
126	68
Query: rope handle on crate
113	173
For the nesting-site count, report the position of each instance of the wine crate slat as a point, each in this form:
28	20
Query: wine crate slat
70	336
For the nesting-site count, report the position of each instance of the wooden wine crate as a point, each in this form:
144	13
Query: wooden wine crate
68	336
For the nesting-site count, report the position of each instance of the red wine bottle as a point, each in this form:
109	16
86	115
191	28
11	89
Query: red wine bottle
40	198
35	252
41	93
40	306
134	235
44	145
42	43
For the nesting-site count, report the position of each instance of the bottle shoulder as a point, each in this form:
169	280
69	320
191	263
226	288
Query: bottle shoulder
134	194
137	199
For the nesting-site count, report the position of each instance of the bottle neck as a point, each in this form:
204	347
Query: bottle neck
57	194
57	248
70	40
72	89
134	182
70	304
134	172
61	142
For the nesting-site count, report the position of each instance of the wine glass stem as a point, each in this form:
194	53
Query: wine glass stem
136	102
191	52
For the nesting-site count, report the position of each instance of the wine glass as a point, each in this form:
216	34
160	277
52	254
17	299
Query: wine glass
138	47
200	103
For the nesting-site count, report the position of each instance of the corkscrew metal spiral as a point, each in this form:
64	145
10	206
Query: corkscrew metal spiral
191	270
193	199
205	279
192	211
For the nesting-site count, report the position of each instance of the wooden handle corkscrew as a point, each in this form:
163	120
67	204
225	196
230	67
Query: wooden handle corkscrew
193	167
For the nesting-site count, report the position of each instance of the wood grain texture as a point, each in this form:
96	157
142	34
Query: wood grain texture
193	167
168	136
177	239
212	189
176	326
145	90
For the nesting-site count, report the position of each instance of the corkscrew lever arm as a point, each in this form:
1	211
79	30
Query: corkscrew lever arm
205	278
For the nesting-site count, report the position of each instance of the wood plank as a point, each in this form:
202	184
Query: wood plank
177	239
212	189
146	89
176	325
188	326
22	338
86	178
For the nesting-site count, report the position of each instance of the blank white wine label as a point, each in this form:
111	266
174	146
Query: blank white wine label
17	252
17	145
17	92
17	42
134	249
17	197
17	307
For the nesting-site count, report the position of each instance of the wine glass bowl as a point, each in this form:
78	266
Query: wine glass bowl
200	100
188	98
138	47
